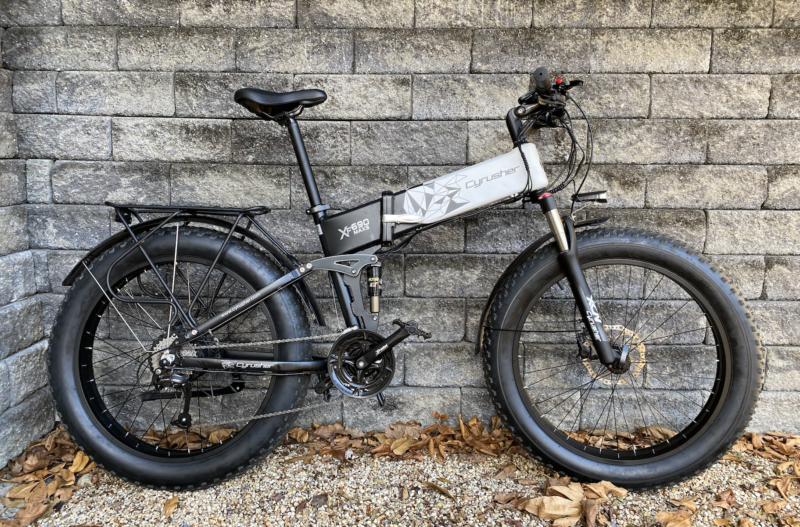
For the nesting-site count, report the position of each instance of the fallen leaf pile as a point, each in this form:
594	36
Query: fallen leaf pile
565	502
194	438
404	440
621	440
47	473
773	446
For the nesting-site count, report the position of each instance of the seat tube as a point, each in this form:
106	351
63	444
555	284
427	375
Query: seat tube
318	213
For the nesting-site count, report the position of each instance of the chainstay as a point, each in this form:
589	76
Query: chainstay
282	341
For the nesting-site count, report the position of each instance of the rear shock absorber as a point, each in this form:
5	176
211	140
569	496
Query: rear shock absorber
375	288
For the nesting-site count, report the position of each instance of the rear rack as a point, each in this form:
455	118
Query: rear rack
126	210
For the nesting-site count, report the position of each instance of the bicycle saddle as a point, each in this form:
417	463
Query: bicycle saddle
273	103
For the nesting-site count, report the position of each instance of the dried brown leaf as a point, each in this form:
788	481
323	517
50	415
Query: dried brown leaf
590	512
772	506
170	505
679	518
555	507
506	472
722	521
744	522
687	502
439	488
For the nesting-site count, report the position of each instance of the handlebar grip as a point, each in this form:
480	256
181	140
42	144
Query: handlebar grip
542	79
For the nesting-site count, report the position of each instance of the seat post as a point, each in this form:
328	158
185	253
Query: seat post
305	167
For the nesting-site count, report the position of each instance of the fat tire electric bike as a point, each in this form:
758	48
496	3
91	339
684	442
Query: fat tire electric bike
182	352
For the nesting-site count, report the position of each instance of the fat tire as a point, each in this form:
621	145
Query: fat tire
746	352
288	316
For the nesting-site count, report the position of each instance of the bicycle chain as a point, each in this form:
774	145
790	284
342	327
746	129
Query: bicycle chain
261	343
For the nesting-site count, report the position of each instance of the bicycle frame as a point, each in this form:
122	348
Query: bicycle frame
347	253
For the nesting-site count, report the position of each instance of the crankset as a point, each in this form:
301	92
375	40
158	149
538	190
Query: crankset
347	377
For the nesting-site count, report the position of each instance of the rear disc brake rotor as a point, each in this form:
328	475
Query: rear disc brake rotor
350	380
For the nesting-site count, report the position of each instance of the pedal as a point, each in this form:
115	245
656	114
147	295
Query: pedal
413	328
381	400
324	386
601	196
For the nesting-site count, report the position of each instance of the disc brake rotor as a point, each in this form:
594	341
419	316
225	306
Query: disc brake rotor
636	356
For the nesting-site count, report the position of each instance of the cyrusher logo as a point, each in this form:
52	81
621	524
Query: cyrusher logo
359	226
475	183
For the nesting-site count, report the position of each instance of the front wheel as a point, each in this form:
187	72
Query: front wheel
685	392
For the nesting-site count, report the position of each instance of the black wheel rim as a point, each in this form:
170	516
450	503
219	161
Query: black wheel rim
613	420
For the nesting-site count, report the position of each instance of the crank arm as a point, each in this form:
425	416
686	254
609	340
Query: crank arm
406	330
254	366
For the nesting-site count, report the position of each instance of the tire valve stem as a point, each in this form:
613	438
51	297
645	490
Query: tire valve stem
375	288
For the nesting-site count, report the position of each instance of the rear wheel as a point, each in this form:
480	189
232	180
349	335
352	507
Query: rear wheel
143	423
685	392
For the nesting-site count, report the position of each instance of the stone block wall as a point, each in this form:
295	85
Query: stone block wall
694	105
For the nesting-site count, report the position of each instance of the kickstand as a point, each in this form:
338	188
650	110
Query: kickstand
381	400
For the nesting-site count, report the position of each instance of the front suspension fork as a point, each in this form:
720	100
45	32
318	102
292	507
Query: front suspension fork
564	234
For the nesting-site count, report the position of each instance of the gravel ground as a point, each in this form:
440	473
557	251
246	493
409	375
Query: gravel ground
368	491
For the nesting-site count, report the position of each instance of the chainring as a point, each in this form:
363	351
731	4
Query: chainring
350	380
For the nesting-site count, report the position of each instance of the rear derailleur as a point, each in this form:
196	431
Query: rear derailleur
361	363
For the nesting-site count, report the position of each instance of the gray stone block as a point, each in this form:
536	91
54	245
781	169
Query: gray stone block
8	136
60	48
13	225
706	187
64	136
95	182
354	13
327	143
775	321
776	411
711	96
6	91
30	13
443	317
768	142
115	93
785	100
524	50
211	94
477	402
50	306
362	97
67	226
651	50
625	185
787	14
409	143
781	278
446	97
649	141
714	13
687	227
25	422
612	95
37	178
27	371
35	92
453	276
753	232
237	13
447	238
294	229
745	272
5	388
170	49
504	231
781	374
756	51
402	404
488	139
347	187
40	271
231	185
12	182
413	51
442	365
20	325
587	13
294	50
59	265
120	13
784	188
178	140
490	14
17	277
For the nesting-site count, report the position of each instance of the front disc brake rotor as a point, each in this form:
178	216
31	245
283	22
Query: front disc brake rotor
350	380
635	360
